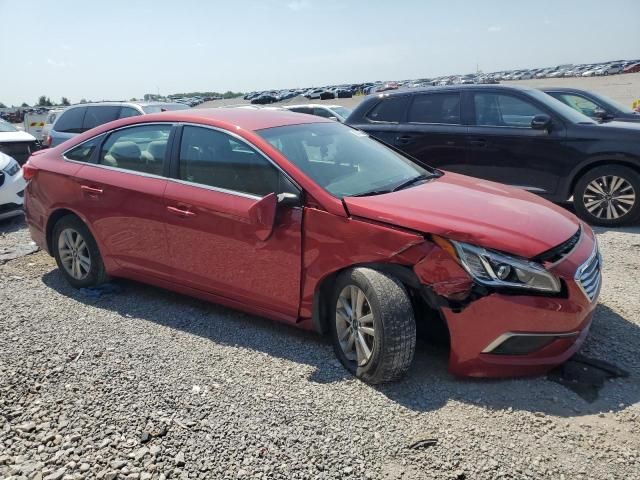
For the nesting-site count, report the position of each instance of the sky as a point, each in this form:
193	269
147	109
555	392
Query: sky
114	49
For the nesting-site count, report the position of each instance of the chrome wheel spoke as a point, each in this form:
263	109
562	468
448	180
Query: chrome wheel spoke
363	350
74	253
355	326
368	331
609	197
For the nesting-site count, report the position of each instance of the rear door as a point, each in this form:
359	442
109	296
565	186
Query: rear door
433	131
383	119
503	146
218	177
68	125
121	195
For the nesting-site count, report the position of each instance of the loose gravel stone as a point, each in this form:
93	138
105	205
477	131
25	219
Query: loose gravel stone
273	403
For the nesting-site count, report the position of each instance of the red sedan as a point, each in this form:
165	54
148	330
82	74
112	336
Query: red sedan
307	221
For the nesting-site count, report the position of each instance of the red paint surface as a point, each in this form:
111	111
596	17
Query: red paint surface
226	248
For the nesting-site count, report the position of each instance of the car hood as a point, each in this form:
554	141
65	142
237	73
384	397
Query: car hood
18	136
4	160
476	211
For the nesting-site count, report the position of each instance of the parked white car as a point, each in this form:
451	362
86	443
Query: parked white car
612	69
12	187
334	112
15	143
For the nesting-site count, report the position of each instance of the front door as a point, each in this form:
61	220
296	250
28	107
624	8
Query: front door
503	147
122	197
212	240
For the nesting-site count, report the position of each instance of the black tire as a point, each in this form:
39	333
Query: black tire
96	274
581	196
394	323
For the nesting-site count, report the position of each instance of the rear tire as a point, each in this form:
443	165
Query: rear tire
608	196
77	253
378	323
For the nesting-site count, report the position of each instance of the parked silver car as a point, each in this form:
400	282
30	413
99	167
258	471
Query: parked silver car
85	116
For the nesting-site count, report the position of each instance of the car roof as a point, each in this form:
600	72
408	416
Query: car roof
445	88
563	89
247	119
310	105
120	104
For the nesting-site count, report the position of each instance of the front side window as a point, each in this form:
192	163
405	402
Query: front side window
140	149
391	109
342	160
84	151
100	115
579	103
216	159
70	121
499	110
435	108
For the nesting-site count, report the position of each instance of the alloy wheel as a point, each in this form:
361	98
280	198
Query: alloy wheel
609	197
74	253
355	325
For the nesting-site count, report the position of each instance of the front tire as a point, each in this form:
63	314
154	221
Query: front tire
372	325
608	196
77	253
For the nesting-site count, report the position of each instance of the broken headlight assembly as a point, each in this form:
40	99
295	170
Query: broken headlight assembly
12	168
495	269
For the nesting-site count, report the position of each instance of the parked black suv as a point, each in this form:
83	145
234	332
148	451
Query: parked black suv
517	136
593	105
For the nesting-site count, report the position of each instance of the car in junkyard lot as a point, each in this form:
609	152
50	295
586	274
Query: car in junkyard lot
593	105
309	222
16	143
517	136
333	112
11	187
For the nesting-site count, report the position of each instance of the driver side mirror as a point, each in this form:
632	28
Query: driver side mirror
601	114
262	214
541	122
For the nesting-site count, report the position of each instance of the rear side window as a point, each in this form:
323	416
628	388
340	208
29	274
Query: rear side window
213	158
390	109
126	112
435	108
100	115
70	121
140	149
84	151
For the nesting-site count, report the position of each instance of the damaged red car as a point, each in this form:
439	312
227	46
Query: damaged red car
309	222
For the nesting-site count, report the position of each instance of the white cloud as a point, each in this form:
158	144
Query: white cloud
55	63
297	5
494	28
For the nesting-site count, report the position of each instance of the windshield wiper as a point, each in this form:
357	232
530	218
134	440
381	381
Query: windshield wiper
411	181
371	193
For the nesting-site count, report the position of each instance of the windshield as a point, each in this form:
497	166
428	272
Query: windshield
7	127
165	107
343	161
342	111
562	108
612	103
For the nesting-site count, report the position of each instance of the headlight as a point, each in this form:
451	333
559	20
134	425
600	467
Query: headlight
496	269
12	168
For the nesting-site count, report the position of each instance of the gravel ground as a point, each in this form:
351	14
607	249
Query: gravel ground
147	384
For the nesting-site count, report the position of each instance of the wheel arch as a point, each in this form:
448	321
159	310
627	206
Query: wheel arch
54	217
583	169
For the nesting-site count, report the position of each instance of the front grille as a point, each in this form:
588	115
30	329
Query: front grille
558	253
20	151
589	276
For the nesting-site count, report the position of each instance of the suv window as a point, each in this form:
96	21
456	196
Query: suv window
389	110
322	112
140	149
84	151
435	108
213	158
302	110
126	112
500	110
578	103
100	115
70	121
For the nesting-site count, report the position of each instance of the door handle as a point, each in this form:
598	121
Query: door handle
404	139
91	190
477	142
180	212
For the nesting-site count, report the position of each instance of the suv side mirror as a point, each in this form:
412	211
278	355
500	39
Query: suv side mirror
601	114
541	122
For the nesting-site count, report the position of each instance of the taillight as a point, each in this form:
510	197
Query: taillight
28	171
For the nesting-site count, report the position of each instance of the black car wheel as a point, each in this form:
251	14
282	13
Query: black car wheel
608	196
77	254
372	325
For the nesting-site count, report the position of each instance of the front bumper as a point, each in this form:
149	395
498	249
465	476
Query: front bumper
544	330
11	195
